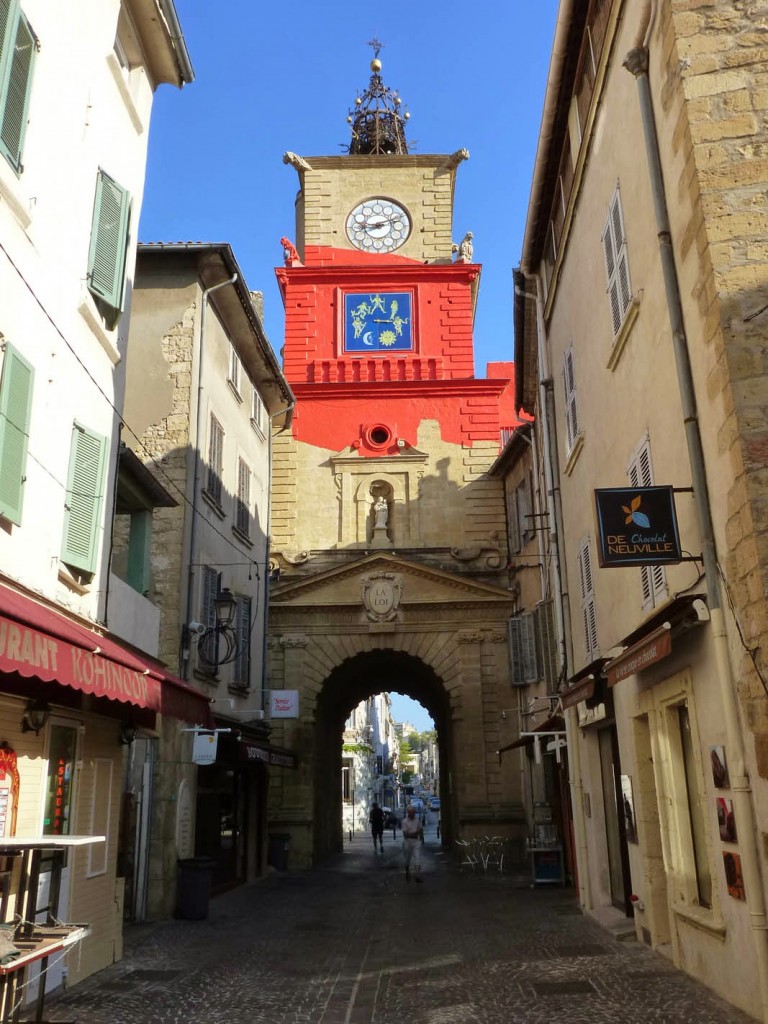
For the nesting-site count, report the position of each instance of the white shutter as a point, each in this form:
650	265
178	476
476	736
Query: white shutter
569	381
653	578
616	263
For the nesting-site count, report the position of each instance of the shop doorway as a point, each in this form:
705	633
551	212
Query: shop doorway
615	836
222	822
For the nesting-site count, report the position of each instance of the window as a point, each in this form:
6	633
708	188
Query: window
569	383
653	577
257	412
215	459
58	819
242	504
15	406
241	676
588	600
616	263
83	500
519	519
109	244
18	47
234	370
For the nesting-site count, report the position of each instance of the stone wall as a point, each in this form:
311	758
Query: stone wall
720	54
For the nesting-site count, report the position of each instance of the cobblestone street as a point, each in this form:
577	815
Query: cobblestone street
354	942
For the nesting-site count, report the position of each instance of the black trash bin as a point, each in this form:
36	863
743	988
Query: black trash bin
279	849
195	876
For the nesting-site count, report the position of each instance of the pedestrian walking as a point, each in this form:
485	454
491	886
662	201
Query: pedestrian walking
376	819
413	837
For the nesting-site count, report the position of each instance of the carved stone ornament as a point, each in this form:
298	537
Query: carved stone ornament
381	595
294	640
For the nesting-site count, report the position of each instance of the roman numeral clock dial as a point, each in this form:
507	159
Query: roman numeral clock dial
378	225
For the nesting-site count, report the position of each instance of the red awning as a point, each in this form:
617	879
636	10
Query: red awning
38	642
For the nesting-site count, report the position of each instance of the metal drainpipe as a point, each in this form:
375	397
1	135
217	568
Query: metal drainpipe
562	605
636	63
185	668
280	412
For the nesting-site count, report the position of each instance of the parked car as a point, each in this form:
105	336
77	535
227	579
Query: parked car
434	803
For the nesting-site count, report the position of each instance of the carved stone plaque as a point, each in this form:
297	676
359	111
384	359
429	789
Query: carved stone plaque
381	595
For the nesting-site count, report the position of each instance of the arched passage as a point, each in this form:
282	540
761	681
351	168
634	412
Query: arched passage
354	680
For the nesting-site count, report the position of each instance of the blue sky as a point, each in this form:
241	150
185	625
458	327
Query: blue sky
277	77
405	709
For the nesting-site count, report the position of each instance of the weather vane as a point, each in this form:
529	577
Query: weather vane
376	45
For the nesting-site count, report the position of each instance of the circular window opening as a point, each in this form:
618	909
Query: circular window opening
377	435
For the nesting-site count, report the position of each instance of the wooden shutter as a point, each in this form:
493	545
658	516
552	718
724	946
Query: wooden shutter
513	531
569	381
616	263
257	411
522	650
546	636
242	516
15	81
589	612
15	409
109	241
84	499
215	459
208	645
242	673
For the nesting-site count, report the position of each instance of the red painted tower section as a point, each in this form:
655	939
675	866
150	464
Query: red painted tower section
344	393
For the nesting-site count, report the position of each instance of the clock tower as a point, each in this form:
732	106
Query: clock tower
388	533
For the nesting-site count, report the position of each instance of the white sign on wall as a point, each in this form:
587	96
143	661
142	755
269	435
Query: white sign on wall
284	704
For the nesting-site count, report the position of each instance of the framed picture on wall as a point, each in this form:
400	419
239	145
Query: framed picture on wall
725	820
719	768
628	809
733	876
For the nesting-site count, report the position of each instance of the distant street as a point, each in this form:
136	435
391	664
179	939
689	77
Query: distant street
354	943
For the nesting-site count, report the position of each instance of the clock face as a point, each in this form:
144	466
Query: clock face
378	225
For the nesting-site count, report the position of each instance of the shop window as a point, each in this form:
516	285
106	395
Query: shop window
694	793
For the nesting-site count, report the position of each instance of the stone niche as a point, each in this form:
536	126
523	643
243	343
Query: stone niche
378	506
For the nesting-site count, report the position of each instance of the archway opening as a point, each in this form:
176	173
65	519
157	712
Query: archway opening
356	680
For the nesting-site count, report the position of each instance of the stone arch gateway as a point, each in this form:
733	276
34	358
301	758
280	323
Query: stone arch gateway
384	623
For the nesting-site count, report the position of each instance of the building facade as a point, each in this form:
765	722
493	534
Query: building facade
204	392
646	278
79	673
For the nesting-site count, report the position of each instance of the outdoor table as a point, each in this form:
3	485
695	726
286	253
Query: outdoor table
37	942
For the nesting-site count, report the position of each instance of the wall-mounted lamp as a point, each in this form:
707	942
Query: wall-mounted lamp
127	733
36	714
216	645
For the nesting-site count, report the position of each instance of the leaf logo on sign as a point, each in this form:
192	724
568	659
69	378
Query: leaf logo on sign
635	516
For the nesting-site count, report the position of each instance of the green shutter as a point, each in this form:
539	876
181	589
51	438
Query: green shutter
84	499
16	87
15	407
109	241
6	25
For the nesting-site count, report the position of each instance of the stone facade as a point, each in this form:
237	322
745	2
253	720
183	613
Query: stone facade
614	354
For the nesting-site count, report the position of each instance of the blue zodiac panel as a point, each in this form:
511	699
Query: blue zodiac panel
378	322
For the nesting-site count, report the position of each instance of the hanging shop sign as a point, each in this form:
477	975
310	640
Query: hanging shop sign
284	704
636	526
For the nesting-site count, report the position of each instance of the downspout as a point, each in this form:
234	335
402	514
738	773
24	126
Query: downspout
562	604
185	654
280	412
636	62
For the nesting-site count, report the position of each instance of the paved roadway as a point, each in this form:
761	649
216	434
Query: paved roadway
353	943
